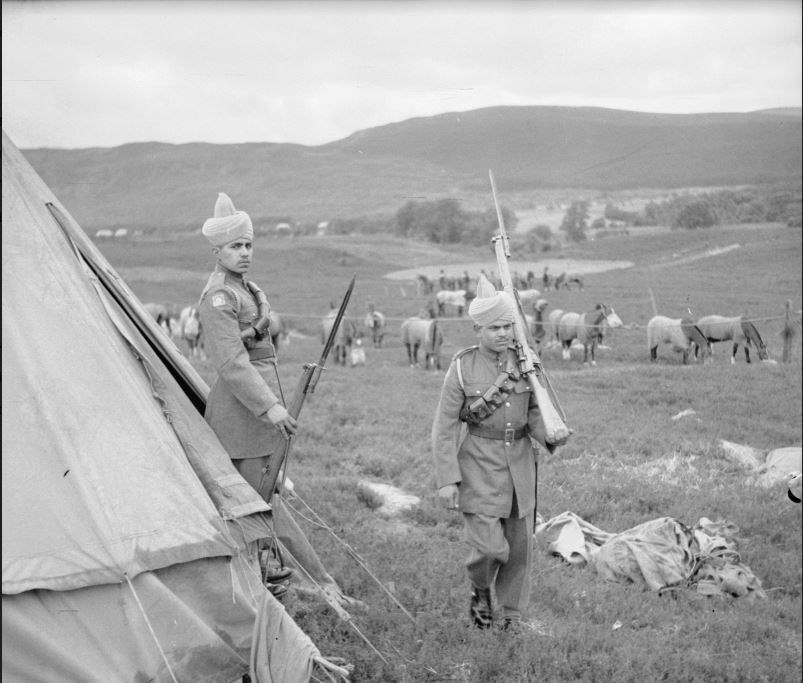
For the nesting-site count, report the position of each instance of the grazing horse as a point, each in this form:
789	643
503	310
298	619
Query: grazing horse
451	297
189	325
680	333
586	328
344	338
717	328
422	333
375	323
552	336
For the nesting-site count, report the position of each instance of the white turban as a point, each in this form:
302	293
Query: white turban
491	306
228	224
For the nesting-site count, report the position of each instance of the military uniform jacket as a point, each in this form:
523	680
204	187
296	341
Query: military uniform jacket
241	394
486	470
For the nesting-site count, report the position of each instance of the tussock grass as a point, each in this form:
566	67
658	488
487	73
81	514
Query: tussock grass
628	462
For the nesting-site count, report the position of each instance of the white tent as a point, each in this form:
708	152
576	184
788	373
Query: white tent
128	536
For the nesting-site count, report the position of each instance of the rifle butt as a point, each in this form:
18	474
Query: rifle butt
555	427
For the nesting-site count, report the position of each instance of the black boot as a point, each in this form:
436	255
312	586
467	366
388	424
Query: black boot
480	610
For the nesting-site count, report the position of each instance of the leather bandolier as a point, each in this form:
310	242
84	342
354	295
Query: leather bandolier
479	409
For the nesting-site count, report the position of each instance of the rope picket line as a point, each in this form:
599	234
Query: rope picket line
150	628
466	319
353	553
339	610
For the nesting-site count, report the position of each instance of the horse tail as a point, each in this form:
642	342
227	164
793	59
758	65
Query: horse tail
433	335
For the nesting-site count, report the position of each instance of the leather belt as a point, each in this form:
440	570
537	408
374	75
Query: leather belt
506	435
261	352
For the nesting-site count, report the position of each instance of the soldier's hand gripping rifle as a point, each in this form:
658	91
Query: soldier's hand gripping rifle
310	375
530	365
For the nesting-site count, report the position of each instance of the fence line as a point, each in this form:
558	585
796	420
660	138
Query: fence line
466	319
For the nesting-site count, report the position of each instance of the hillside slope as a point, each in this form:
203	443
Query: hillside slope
377	170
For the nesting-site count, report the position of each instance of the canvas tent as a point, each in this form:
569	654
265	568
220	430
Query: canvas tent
129	539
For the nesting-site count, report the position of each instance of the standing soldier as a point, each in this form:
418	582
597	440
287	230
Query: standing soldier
487	468
244	407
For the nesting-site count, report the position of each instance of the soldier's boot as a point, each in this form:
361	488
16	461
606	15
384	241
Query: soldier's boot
274	574
480	608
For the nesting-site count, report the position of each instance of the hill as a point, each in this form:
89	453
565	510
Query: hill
374	171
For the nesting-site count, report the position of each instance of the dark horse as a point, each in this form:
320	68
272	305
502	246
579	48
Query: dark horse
586	328
717	328
375	323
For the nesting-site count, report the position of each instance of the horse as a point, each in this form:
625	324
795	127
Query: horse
573	279
565	279
375	323
717	328
586	328
537	326
680	333
528	297
160	312
451	297
424	333
552	337
425	286
344	338
189	325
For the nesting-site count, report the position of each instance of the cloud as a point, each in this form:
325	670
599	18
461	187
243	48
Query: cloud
80	74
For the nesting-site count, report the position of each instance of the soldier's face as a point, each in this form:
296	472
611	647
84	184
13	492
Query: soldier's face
497	336
236	255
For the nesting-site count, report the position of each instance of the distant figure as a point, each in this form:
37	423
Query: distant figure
357	355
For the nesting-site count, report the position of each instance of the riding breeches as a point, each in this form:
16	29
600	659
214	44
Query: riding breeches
501	555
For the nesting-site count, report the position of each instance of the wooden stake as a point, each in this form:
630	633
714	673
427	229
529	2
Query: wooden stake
787	333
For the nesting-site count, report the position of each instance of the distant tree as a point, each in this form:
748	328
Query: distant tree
574	222
598	223
543	232
695	213
444	221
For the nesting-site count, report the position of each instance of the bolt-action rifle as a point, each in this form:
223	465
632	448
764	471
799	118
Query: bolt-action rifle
529	363
310	375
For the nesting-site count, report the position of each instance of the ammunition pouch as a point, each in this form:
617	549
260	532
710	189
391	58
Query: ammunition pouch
260	352
481	408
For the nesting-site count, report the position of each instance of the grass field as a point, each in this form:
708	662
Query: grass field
627	462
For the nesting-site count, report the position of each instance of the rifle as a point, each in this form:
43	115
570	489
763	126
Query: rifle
529	362
310	375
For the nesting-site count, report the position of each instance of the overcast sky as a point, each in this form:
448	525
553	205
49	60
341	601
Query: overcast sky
82	74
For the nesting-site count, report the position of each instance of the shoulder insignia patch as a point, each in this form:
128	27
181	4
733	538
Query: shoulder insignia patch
219	299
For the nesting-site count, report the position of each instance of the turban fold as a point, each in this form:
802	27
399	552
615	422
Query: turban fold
491	306
228	224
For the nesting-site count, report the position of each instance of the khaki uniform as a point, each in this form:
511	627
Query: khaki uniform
246	370
496	479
